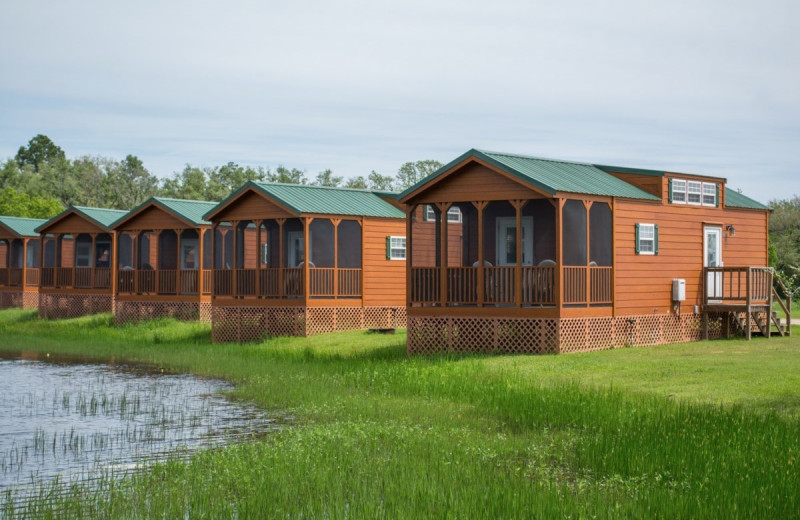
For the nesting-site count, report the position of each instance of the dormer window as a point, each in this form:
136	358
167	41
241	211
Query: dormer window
697	193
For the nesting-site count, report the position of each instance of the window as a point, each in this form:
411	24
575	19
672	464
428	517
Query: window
453	214
678	192
709	194
646	239
695	192
395	248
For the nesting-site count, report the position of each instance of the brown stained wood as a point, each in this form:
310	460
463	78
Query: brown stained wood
251	205
152	217
651	184
476	179
72	223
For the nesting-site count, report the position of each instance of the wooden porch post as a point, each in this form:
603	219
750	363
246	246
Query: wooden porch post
178	232
42	238
306	259
214	227
92	261
136	261
518	267
235	265
444	239
257	222
747	304
588	205
280	222
199	261
113	273
559	283
335	222
480	205
409	255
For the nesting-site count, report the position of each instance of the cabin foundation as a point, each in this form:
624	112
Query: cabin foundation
73	305
252	323
433	334
137	311
19	299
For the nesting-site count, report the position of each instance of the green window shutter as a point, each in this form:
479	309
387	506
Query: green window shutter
655	241
717	185
388	248
670	191
637	239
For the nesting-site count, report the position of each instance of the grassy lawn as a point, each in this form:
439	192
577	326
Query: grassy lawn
699	430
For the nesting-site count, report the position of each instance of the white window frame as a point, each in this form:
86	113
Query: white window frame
679	195
397	247
453	214
651	240
694	188
710	191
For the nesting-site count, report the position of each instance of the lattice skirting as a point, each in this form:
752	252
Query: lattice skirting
241	324
56	306
428	334
132	312
11	299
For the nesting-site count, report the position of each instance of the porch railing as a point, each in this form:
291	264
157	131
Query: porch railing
590	285
287	282
76	277
32	276
732	285
11	277
4	276
163	281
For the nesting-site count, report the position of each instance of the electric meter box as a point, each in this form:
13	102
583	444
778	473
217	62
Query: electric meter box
678	290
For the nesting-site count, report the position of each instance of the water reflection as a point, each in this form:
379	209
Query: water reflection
79	421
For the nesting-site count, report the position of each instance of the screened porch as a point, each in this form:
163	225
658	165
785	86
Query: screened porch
81	261
164	262
267	258
511	253
19	262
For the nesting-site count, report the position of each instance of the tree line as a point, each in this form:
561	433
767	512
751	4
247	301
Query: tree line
40	181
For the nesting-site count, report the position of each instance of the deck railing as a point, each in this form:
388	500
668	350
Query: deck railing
731	285
32	276
288	282
11	277
590	285
75	277
4	276
163	281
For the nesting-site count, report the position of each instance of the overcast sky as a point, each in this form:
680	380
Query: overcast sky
699	86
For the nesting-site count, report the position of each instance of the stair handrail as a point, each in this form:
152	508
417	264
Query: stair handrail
787	305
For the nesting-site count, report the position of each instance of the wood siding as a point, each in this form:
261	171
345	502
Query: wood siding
652	184
644	282
153	217
475	182
384	280
249	206
74	224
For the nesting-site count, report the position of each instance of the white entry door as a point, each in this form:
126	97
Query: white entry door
712	257
507	241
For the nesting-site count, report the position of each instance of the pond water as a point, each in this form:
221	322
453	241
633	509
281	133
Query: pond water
79	421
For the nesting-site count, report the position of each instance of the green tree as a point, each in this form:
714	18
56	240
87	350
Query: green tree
130	183
286	176
40	150
222	181
412	172
10	174
188	184
91	179
326	178
359	183
380	182
784	236
57	180
14	203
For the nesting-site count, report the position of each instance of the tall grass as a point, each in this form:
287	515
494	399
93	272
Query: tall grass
377	434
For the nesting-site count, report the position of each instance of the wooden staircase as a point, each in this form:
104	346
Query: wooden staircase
744	296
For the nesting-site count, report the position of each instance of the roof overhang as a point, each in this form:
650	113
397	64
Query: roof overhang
249	187
150	203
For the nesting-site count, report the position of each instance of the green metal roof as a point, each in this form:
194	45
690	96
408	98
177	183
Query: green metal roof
550	175
191	211
301	199
101	216
24	227
734	199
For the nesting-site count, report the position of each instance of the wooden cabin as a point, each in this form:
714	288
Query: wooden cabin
164	261
19	262
509	253
77	259
300	260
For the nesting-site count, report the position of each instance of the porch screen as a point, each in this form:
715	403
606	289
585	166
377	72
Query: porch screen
349	244
574	233
600	235
321	242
